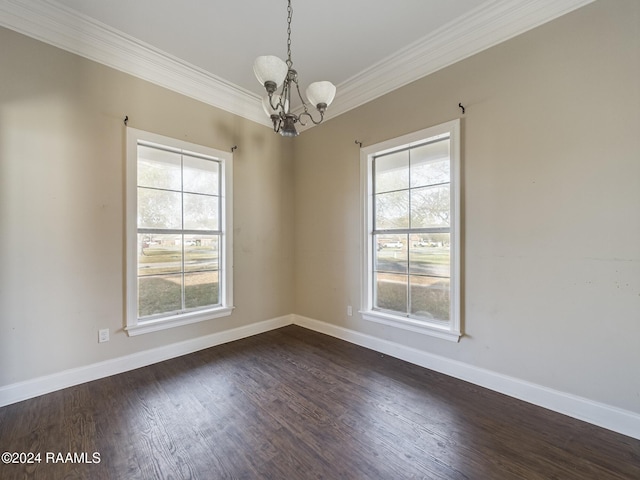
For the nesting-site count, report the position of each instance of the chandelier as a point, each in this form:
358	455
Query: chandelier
273	73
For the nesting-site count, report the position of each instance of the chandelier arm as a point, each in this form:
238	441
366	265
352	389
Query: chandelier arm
310	118
277	123
276	106
304	104
319	121
285	96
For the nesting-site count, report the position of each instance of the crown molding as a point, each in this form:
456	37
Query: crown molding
493	22
55	24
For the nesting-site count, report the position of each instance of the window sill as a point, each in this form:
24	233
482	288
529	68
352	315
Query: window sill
177	321
418	326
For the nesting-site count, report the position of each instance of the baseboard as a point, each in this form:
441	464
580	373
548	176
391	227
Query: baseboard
602	415
17	392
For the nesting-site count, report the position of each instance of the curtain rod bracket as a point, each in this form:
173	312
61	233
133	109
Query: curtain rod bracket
359	143
235	147
460	105
126	120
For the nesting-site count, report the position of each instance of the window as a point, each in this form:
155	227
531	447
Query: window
179	245
411	213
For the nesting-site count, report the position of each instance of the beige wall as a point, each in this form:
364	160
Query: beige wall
551	204
61	208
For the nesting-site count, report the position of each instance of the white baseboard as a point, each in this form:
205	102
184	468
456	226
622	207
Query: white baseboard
606	416
602	415
17	392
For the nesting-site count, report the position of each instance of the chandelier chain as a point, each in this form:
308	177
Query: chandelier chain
289	16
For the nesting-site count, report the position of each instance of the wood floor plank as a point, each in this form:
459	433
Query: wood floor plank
295	404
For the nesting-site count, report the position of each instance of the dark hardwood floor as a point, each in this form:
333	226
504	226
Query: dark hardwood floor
294	404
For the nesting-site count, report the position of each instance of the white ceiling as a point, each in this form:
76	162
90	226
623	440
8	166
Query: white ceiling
331	39
205	48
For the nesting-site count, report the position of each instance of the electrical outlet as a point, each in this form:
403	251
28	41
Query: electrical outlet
349	310
103	335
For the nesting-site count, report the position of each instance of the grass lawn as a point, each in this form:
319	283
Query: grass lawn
419	277
160	280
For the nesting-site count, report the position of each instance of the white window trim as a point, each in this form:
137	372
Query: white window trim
446	330
133	325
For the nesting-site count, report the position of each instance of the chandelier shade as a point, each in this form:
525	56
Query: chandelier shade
274	73
269	68
321	93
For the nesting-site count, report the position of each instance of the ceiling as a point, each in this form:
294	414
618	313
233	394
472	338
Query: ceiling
206	48
331	39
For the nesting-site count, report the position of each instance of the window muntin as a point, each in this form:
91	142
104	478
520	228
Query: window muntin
178	237
411	209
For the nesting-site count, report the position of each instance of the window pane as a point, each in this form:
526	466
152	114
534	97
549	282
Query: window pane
391	253
430	255
158	168
159	209
177	239
430	164
410	200
391	292
392	210
200	212
159	294
430	207
201	289
159	254
200	175
392	172
430	297
201	252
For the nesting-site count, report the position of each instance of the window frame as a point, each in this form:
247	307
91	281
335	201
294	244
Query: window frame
133	324
450	330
